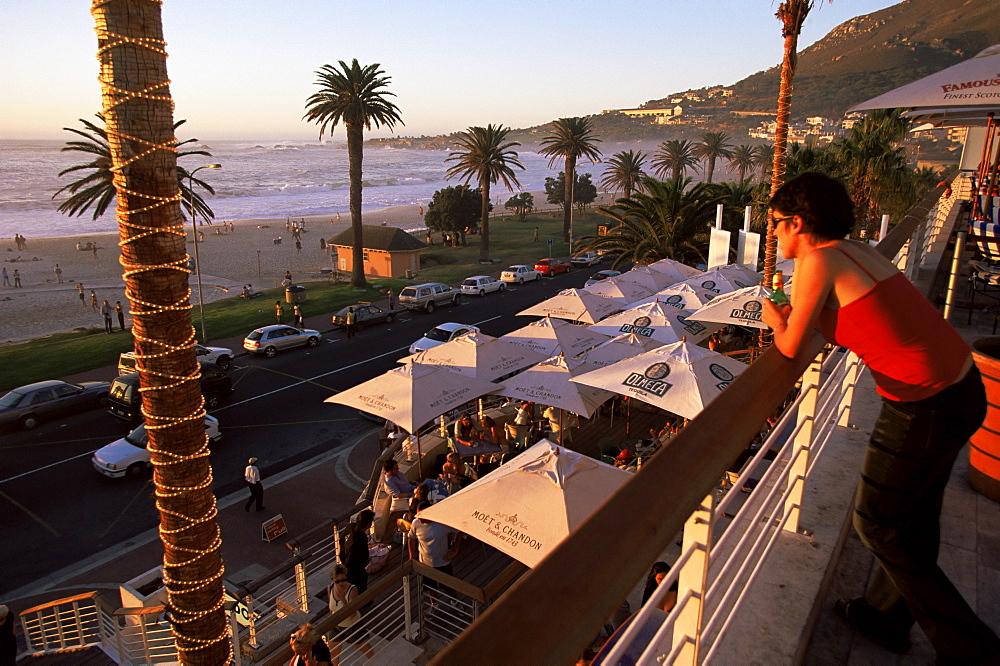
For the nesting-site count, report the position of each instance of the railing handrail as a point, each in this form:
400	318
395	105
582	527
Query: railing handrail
643	515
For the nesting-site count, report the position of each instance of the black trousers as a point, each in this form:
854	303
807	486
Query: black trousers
256	495
897	515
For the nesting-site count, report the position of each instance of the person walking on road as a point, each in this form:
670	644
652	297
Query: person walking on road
392	299
252	476
297	311
121	314
106	313
279	314
349	321
17	278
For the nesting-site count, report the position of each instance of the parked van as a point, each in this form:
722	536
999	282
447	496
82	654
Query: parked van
125	402
427	296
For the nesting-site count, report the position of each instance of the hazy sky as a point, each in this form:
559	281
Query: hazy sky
243	69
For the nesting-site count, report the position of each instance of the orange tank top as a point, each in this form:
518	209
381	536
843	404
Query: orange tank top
911	350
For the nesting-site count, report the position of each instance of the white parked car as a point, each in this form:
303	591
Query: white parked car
268	340
220	356
599	276
441	334
585	259
128	456
520	274
480	285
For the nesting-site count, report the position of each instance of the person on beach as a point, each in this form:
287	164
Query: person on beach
298	246
279	313
79	290
121	314
17	278
58	272
93	302
94	250
6	277
106	313
933	401
297	312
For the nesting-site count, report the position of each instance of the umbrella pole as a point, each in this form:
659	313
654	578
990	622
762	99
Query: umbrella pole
560	426
420	458
628	417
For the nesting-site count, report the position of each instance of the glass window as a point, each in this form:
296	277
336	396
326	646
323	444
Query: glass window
42	395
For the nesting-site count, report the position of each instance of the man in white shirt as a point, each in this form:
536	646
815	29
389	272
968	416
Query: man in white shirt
433	542
252	476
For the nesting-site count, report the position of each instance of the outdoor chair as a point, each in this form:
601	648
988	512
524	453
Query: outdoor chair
984	273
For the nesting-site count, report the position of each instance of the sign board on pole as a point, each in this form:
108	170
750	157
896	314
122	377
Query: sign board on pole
273	528
549	242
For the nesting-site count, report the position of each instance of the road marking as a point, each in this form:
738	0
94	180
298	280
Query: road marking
39	469
30	513
52	443
127	507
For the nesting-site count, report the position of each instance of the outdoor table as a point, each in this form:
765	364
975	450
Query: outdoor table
483	447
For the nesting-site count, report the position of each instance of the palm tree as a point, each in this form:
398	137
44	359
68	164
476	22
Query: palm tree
673	158
97	188
570	138
735	197
791	13
762	158
624	172
355	96
485	154
666	220
713	146
743	158
140	139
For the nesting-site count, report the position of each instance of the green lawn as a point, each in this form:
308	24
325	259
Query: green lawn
511	242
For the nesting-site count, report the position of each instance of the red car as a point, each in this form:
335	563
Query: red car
552	267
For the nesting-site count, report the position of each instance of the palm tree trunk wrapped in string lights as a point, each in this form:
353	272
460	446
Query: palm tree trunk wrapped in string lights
137	107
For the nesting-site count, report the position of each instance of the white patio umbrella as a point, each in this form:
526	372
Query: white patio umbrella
647	277
655	320
674	269
618	348
623	291
574	305
681	378
413	394
681	296
719	281
548	383
478	355
527	506
962	85
742	307
553	336
743	272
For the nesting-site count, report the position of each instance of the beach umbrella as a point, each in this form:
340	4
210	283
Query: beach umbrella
741	307
675	270
681	378
655	320
720	281
682	296
478	355
647	277
548	383
743	272
527	506
554	336
413	394
574	305
618	348
622	291
966	84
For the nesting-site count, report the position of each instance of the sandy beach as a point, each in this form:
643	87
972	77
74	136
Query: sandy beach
43	306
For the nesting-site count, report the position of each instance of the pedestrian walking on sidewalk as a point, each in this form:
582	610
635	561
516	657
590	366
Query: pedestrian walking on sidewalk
252	476
279	314
392	299
106	313
121	314
297	311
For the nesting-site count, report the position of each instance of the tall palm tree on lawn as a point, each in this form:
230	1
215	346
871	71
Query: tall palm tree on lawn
673	158
138	110
571	139
666	220
485	154
97	187
357	97
791	13
713	146
624	172
743	158
762	159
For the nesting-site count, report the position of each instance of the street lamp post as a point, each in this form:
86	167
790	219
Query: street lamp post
194	232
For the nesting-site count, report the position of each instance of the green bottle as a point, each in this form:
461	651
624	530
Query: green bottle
778	295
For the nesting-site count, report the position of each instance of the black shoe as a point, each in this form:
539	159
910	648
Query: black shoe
866	621
260	508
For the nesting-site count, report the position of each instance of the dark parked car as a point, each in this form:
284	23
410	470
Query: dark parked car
125	402
366	314
27	406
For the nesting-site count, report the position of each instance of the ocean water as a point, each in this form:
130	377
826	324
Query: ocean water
258	180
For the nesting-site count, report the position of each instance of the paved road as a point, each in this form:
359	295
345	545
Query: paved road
57	510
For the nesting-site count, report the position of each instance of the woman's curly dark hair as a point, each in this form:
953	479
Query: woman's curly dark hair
822	203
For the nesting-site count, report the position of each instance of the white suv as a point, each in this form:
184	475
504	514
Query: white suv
480	285
428	296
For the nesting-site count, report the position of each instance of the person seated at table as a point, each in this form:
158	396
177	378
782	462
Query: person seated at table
421	493
397	487
624	458
466	433
455	473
